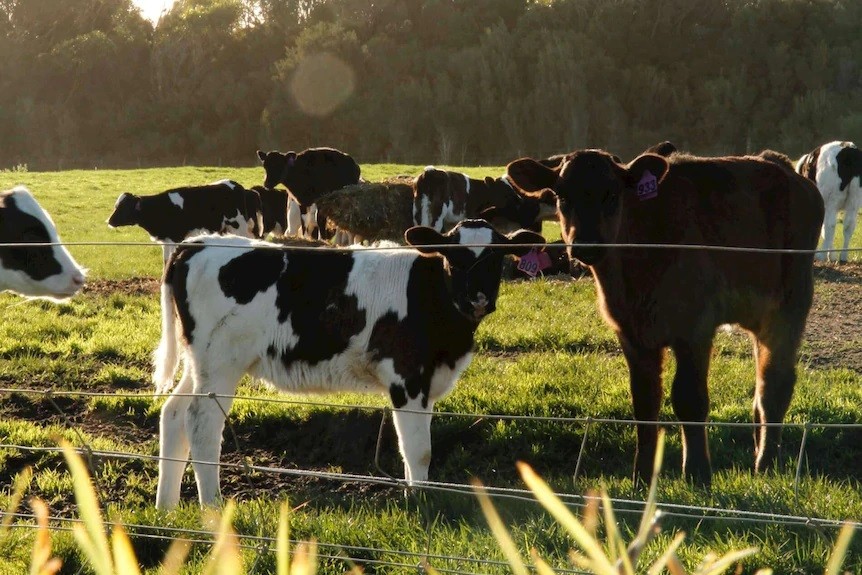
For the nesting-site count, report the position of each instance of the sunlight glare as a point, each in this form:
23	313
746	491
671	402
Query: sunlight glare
152	9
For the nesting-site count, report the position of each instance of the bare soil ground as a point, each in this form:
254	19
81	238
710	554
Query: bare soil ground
833	335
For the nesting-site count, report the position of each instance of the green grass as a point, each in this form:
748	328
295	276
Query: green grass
545	352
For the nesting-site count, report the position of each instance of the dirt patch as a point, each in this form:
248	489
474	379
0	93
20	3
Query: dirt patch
129	286
833	335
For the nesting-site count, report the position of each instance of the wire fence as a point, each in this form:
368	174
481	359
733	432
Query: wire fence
406	559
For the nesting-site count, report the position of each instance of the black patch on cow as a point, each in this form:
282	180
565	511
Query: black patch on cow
17	226
274	208
311	294
176	275
432	333
251	273
397	395
849	161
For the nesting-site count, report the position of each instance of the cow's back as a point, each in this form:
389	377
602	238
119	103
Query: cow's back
736	202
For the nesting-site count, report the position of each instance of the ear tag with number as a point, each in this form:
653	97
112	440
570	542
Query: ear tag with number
532	263
647	187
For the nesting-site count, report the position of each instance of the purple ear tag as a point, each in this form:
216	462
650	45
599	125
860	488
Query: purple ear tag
647	187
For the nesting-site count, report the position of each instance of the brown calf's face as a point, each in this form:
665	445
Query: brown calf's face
590	186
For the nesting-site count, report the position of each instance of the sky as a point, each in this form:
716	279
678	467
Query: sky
151	9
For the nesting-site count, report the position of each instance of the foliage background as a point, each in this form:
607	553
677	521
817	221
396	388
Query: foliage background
90	83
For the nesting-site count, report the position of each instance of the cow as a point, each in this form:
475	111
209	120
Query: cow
395	321
171	216
836	168
312	173
443	198
655	299
45	272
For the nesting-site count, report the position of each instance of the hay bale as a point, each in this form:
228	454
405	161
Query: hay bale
375	211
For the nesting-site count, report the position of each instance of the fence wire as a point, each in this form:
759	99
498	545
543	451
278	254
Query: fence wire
354	554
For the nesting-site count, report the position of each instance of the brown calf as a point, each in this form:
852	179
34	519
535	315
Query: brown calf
676	298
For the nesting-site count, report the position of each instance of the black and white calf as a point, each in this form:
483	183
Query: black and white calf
836	168
443	198
47	272
398	322
173	215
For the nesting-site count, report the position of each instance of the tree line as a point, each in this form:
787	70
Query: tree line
91	83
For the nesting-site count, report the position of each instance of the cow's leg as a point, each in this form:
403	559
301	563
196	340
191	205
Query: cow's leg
413	425
173	443
775	351
205	422
690	398
851	211
828	233
645	365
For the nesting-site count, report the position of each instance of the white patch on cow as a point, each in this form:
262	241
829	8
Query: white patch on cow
425	214
176	199
309	221
429	169
475	236
505	179
294	218
229	183
120	199
371	269
59	286
238	225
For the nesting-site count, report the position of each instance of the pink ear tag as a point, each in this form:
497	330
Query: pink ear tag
647	187
532	263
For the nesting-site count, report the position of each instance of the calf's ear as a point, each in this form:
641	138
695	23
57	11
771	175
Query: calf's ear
530	176
521	237
421	236
652	163
261	155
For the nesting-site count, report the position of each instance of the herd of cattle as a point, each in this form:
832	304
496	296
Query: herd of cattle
402	321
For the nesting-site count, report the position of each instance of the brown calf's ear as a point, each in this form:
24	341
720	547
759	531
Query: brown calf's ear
522	237
530	176
638	168
421	236
261	155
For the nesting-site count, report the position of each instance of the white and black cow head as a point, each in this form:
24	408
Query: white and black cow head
474	271
47	272
589	185
126	211
277	166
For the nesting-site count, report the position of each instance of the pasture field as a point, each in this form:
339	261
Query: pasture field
544	362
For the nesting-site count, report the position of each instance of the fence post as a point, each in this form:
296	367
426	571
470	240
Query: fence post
587	424
799	461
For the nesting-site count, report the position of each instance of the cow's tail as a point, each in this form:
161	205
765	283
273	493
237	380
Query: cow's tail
166	357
